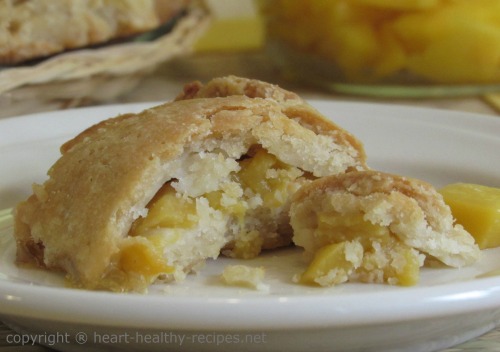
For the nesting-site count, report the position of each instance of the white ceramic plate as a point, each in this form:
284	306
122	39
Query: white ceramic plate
448	306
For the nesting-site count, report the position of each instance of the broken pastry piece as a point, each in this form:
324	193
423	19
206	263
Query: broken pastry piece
375	227
147	197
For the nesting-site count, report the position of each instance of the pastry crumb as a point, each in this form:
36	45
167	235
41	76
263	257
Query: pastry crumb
245	276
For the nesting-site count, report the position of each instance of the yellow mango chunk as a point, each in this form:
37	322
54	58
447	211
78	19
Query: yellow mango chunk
384	258
455	44
350	227
391	57
261	173
142	259
410	270
215	199
253	171
231	34
477	209
166	210
356	48
333	264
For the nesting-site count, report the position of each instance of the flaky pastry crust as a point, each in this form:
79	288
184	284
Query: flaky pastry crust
411	209
79	220
292	105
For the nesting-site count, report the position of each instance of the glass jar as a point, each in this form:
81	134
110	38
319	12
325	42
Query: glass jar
405	48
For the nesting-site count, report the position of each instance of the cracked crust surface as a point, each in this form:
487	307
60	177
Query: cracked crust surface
292	105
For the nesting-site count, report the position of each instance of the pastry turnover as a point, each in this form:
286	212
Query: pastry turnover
148	197
376	227
36	28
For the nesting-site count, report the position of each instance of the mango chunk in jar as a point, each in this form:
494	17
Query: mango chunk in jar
451	42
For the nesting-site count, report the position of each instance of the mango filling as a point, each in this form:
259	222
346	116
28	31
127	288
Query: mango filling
166	210
138	263
262	181
333	264
142	259
268	177
477	209
355	248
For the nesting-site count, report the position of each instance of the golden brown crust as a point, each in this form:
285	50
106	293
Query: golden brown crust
107	170
292	106
77	220
37	28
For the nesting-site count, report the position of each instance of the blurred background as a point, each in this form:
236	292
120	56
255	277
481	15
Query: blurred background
436	53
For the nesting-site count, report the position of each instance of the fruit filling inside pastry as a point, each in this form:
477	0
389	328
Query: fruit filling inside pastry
361	250
254	192
149	197
371	226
